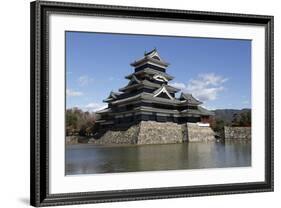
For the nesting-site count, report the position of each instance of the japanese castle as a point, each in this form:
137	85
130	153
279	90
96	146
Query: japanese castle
148	96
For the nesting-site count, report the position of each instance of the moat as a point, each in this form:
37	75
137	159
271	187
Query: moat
91	158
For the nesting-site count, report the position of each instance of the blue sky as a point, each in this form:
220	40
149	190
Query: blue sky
215	71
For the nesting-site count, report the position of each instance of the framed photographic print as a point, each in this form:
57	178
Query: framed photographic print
131	103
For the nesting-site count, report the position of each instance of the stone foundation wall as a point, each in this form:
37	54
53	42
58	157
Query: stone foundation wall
235	133
129	136
152	132
71	140
197	133
76	139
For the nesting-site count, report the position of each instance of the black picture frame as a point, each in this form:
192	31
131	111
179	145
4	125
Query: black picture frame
39	187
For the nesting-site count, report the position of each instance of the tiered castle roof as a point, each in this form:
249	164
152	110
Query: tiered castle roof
148	93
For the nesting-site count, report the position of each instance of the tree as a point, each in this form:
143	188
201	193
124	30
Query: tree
236	119
245	119
242	119
79	122
218	125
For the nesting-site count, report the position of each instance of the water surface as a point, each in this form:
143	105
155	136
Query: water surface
90	158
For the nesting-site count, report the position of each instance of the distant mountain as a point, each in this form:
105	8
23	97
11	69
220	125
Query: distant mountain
227	114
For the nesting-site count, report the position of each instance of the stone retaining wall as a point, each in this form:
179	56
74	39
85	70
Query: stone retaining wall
129	136
197	133
76	139
151	132
71	140
235	133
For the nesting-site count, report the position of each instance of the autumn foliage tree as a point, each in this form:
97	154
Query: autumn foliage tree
79	122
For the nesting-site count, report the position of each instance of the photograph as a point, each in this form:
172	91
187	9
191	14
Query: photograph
136	102
133	103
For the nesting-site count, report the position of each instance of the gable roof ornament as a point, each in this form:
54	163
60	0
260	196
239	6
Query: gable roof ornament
162	90
160	78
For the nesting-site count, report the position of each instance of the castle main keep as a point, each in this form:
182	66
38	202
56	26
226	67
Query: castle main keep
148	98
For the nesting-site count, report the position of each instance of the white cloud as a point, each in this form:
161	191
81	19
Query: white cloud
84	80
73	93
178	85
205	87
94	106
212	79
